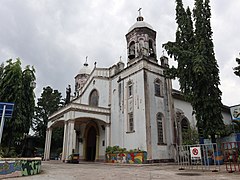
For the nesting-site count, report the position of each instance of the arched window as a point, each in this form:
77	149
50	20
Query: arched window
131	51
93	98
160	128
186	135
151	49
141	46
184	125
130	89
158	87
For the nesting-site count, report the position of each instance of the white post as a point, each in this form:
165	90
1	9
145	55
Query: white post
2	123
70	137
49	143
65	138
74	140
46	146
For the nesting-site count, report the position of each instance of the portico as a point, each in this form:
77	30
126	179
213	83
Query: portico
86	131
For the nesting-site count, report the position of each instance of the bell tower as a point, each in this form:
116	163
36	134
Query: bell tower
82	77
141	41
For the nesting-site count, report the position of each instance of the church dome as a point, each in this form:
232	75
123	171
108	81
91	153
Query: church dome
85	69
140	23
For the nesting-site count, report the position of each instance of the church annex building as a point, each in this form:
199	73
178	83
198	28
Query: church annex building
132	106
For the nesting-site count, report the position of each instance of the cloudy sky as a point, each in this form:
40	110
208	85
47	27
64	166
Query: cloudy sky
55	36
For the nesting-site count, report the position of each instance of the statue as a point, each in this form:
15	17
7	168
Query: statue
68	93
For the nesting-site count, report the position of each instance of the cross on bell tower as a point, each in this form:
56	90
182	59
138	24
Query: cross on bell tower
140	18
139	11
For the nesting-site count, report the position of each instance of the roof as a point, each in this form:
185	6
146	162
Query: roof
85	69
179	95
140	23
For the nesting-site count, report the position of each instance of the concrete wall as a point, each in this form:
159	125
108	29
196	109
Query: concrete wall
159	105
102	86
120	107
137	139
15	167
227	119
101	139
187	109
145	106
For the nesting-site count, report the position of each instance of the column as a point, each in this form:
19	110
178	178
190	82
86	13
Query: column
65	137
74	140
107	134
46	146
49	142
70	138
97	148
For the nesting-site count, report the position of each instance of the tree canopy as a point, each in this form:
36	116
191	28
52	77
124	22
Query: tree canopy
49	102
197	68
16	86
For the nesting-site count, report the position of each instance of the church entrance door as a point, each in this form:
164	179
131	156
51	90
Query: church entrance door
91	144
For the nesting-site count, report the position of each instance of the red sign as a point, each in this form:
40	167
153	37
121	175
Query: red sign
195	151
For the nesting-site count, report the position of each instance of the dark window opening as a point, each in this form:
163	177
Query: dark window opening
157	88
130	89
131	53
151	50
93	99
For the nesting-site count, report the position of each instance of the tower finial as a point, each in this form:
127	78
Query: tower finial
139	18
86	63
139	11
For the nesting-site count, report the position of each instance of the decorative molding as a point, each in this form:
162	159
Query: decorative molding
78	108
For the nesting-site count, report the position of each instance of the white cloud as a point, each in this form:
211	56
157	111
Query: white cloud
55	36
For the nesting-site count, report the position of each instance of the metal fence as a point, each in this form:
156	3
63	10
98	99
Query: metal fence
231	152
199	156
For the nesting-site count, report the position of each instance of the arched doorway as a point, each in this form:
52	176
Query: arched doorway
185	131
91	144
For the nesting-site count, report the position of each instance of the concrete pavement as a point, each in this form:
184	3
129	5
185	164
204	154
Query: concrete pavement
52	170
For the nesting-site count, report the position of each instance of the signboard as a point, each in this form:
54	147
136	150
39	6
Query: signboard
8	109
235	112
195	152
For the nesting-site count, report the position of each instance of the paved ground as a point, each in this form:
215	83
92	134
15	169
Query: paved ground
91	171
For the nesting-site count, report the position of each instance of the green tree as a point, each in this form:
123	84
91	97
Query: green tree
190	136
49	102
197	69
182	50
207	96
1	70
16	86
237	69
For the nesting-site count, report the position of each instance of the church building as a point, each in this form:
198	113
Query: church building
130	104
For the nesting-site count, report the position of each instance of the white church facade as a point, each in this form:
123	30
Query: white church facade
132	106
